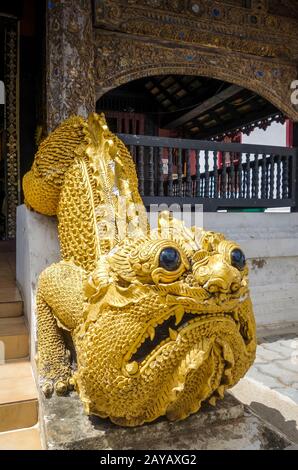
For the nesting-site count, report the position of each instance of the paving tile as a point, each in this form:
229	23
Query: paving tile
283	375
268	354
278	348
271	382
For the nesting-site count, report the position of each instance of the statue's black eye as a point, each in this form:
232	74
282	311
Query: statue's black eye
238	259
169	259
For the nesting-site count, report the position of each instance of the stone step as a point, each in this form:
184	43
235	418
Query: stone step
11	309
11	304
14	339
23	439
18	396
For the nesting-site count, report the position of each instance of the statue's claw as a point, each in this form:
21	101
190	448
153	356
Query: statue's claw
61	387
71	383
47	389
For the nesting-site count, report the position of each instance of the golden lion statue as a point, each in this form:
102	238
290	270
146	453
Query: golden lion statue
160	320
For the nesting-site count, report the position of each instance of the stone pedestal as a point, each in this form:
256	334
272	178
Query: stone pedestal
228	426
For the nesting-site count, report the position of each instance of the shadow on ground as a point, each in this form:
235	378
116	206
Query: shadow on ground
276	419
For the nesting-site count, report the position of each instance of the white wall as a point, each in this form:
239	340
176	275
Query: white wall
275	134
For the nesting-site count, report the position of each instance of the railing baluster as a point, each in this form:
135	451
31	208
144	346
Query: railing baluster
271	190
198	174
255	176
160	172
224	177
141	170
240	178
232	183
151	172
207	189
170	172
285	177
252	173
188	174
278	178
248	175
215	171
264	177
179	173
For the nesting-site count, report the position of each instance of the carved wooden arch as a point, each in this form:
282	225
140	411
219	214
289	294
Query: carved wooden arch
120	60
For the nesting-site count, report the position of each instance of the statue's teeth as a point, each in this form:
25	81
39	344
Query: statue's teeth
173	334
132	367
236	316
151	332
179	315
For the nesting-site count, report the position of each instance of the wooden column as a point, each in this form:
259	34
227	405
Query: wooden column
70	60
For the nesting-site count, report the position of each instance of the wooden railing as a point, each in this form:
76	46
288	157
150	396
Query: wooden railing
215	174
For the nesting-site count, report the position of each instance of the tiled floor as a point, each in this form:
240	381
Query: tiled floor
270	387
276	365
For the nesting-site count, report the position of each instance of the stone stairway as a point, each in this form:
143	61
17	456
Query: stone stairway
18	393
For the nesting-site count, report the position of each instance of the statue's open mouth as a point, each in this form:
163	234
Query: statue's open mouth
163	333
167	330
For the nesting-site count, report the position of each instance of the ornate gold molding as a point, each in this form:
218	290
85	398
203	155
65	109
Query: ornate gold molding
223	24
12	127
119	59
70	60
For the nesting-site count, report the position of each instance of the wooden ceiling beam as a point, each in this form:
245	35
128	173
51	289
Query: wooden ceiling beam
231	125
163	90
204	107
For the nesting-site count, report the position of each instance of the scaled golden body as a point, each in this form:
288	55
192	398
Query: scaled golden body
160	320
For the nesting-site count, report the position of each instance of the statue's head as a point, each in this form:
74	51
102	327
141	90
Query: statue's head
168	324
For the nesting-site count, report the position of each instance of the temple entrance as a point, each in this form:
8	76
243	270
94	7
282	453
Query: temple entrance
186	106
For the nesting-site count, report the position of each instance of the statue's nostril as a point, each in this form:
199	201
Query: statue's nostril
212	288
216	285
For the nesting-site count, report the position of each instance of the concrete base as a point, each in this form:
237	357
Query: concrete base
227	426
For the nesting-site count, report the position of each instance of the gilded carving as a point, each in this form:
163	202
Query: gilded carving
132	59
218	21
161	320
225	40
70	60
12	127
